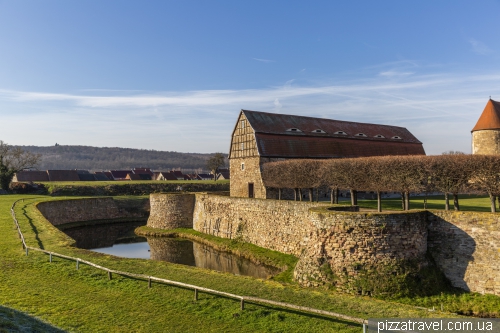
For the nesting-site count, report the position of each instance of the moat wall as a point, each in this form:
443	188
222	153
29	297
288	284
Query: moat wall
345	245
466	247
77	210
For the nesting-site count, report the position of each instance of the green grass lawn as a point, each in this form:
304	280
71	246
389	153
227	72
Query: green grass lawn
85	300
466	202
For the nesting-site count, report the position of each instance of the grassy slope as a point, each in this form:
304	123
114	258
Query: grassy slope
85	301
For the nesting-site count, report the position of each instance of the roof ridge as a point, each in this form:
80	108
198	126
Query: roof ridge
309	117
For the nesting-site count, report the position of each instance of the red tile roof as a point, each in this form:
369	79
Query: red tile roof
326	138
63	175
490	118
32	176
271	145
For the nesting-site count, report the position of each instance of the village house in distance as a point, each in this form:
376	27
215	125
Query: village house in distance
261	137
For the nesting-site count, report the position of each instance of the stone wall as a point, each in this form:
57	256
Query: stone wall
466	247
348	245
170	211
283	226
77	210
349	248
486	142
240	178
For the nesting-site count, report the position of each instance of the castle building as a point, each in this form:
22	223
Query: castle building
486	133
261	137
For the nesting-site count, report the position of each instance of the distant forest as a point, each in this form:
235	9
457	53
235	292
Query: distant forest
95	159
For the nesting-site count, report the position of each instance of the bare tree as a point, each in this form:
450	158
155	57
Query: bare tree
350	173
272	176
12	160
216	162
450	173
486	175
407	174
378	171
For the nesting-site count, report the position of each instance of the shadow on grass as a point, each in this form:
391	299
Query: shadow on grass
15	321
33	227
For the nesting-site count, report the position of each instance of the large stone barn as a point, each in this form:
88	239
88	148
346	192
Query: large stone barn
260	137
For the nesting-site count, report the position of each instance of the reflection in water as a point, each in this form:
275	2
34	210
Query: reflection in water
103	235
187	252
110	239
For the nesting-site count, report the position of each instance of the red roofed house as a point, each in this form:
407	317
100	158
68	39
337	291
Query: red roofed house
120	174
486	133
260	137
31	176
63	176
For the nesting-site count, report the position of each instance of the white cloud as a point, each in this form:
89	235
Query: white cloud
263	60
439	109
479	47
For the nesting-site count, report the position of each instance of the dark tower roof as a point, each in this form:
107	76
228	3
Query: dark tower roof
280	135
490	118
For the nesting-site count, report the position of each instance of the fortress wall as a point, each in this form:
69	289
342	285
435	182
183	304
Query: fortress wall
466	247
277	225
76	210
170	211
351	244
346	247
486	142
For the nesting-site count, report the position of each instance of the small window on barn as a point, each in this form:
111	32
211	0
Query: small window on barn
380	136
293	129
340	133
361	134
396	137
243	123
318	131
242	145
242	166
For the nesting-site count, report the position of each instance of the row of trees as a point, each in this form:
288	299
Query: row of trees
450	174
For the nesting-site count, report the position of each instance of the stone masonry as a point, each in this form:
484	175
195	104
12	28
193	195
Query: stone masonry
76	210
464	245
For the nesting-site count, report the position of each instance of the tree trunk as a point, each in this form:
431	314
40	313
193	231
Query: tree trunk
295	193
279	193
300	194
403	203
407	200
455	202
353	197
379	202
493	204
336	195
310	194
446	201
332	201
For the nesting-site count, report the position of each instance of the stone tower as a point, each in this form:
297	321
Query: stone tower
486	133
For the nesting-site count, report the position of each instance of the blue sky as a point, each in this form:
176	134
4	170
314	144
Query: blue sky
173	75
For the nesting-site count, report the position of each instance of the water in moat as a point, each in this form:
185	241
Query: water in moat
118	239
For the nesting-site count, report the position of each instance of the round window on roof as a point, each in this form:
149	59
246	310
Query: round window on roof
380	136
318	131
340	133
396	137
293	129
361	134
